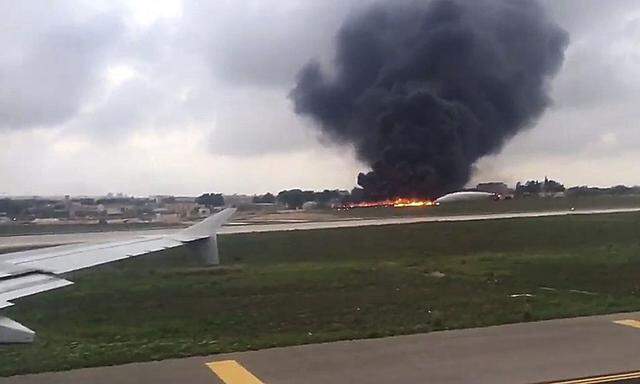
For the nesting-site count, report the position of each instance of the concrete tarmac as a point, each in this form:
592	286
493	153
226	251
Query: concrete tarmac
549	351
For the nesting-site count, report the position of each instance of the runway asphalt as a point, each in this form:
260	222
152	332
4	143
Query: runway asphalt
556	351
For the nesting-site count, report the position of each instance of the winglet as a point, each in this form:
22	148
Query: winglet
14	332
206	228
201	237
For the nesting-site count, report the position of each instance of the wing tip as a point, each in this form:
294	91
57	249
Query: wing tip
12	332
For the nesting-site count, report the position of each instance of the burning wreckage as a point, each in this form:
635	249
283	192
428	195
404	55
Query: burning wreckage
409	202
423	90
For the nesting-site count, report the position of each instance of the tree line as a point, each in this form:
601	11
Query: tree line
296	198
535	187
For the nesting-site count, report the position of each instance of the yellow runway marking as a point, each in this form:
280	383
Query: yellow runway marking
603	379
629	323
231	372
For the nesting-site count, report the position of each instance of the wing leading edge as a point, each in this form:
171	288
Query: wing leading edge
30	272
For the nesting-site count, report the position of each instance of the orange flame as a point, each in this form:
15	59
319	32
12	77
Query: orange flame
401	203
394	203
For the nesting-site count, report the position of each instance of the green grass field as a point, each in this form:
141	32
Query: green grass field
276	289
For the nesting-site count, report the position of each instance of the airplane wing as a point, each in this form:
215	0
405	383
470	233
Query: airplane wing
30	272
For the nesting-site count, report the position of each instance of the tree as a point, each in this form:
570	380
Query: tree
552	186
325	197
293	198
267	198
536	188
211	200
14	208
531	187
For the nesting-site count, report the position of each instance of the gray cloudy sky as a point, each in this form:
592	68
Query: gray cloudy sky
182	97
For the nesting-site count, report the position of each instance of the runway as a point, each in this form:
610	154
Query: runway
555	351
70	238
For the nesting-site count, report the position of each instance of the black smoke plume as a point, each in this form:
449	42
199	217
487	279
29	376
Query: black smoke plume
422	90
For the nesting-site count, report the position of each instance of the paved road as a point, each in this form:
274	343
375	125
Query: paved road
521	353
58	239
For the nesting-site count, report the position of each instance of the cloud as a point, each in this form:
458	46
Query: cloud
224	67
176	162
594	95
87	77
263	43
52	59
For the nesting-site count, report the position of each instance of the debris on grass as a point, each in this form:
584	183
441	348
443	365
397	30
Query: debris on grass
583	292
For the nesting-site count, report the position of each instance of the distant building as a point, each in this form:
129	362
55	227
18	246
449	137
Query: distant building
118	209
185	207
162	199
167	218
85	211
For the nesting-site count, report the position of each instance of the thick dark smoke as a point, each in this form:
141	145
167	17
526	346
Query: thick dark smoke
424	90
